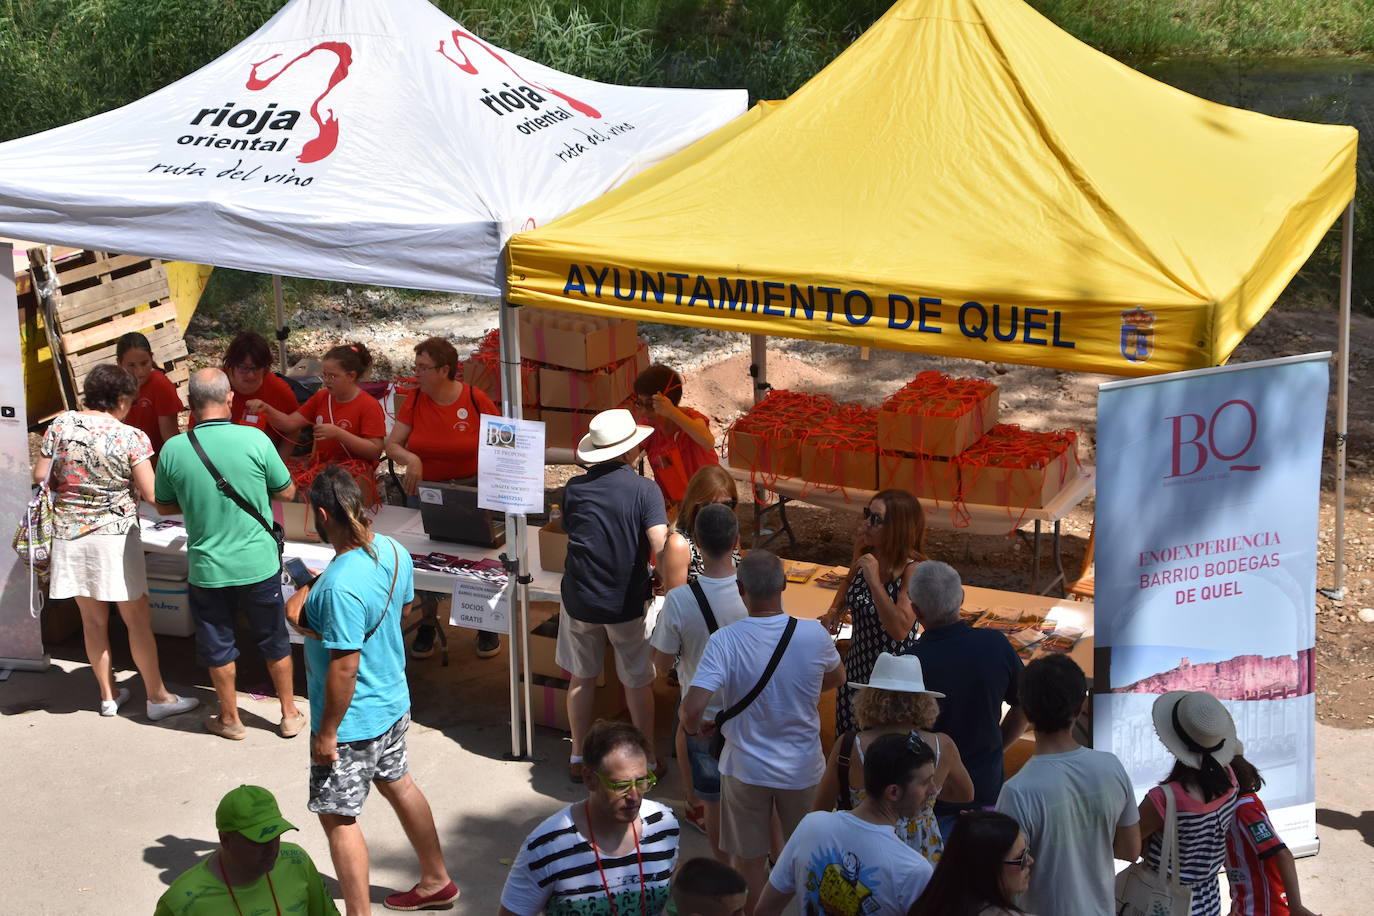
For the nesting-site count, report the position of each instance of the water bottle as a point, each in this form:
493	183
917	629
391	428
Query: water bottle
555	518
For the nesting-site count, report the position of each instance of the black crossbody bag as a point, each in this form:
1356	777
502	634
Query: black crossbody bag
273	528
725	715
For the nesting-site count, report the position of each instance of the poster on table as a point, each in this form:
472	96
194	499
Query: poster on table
510	465
1207	501
20	596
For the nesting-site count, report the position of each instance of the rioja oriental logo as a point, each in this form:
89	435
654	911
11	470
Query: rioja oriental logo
525	96
232	118
328	137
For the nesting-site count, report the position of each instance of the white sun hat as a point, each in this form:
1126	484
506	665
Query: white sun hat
1194	725
611	434
901	673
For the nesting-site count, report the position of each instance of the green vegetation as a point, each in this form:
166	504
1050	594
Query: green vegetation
63	60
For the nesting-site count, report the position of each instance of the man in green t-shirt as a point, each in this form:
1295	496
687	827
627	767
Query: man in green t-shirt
253	871
233	562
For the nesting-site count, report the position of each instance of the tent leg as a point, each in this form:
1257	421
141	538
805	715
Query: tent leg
282	329
517	560
1337	589
758	365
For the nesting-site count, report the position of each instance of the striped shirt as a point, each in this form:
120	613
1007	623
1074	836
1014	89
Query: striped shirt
1256	887
1202	829
556	870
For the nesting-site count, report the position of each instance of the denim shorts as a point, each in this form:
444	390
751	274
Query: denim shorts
705	768
343	786
216	610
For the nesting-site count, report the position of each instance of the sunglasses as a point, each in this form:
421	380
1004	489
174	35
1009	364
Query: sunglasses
1022	861
874	519
642	785
730	503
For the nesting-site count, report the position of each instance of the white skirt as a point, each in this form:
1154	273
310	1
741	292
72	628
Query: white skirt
106	567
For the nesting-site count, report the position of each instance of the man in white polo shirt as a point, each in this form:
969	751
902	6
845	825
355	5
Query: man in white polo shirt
772	759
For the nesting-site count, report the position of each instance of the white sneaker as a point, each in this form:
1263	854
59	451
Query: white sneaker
179	705
111	707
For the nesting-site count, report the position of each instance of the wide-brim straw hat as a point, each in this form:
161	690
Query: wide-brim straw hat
611	434
901	673
1193	722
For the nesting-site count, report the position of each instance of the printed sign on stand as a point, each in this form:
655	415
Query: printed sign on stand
1207	500
480	605
510	465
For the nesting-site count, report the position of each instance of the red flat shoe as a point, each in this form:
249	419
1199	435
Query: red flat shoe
696	817
414	900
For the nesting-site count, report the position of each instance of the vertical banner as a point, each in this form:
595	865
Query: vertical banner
1206	567
20	599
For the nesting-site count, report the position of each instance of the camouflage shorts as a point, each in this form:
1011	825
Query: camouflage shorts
342	787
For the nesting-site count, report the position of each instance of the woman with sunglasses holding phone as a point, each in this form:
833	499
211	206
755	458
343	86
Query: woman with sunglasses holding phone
889	543
985	865
681	562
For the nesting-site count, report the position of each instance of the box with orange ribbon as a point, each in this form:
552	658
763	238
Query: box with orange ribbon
598	389
578	342
1018	468
767	440
937	414
482	370
923	476
842	450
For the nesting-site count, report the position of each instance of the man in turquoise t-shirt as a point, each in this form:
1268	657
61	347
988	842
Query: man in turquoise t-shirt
232	559
355	665
253	871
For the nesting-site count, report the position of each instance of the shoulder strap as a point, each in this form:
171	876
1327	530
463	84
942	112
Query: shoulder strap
700	593
845	801
725	715
386	609
225	487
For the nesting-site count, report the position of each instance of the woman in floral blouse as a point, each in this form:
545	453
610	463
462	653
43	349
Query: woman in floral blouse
99	469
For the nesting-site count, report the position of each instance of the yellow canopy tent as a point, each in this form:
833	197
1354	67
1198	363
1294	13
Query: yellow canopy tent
968	180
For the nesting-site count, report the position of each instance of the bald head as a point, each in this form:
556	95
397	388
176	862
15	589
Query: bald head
209	393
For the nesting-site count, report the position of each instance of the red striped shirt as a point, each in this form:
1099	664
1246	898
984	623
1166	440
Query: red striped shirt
1256	888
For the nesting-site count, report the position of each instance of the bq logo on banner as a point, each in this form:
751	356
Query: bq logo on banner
1207	504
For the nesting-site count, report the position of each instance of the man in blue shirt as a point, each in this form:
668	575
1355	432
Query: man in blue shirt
977	671
359	698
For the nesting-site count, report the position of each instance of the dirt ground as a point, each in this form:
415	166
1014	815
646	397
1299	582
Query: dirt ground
715	366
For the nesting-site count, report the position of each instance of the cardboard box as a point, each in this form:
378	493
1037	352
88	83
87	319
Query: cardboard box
1018	468
565	428
775	455
766	440
935	414
842	451
575	341
169	602
298	521
923	476
549	702
482	370
553	549
595	390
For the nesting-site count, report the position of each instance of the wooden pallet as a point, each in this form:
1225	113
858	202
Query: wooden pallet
100	298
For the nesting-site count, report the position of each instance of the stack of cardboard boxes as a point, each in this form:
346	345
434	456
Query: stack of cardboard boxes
572	367
549	682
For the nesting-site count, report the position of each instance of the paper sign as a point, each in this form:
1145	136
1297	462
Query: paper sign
510	465
480	605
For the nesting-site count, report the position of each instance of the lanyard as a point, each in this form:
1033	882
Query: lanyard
639	860
237	909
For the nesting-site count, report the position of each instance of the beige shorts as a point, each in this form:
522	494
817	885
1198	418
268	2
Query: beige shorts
581	649
746	815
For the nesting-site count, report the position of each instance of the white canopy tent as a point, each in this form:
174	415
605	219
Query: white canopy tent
367	141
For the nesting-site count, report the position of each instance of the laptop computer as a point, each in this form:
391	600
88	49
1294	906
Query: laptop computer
449	513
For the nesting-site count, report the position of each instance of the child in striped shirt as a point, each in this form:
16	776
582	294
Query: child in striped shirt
1259	867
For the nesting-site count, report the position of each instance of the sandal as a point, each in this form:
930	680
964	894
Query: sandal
696	817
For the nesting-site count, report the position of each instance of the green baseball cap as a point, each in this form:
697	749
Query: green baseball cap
252	812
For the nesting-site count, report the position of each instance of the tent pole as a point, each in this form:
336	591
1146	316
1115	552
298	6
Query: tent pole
758	365
281	322
1343	391
517	560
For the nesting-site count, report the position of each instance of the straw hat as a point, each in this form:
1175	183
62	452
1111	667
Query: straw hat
1192	724
611	434
901	673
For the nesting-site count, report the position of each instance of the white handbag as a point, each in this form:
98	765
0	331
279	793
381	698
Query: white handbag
1145	891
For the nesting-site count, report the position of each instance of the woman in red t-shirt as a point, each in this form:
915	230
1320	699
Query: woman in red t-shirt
682	443
157	405
435	434
248	363
348	423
